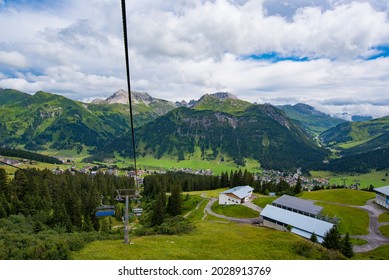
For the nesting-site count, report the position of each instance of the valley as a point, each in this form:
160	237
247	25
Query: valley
202	148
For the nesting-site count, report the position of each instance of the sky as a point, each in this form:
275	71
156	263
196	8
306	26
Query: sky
331	54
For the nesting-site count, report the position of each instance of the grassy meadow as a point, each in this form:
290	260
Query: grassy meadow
218	239
262	201
352	220
234	211
385	230
384	217
375	178
195	162
381	253
343	196
210	240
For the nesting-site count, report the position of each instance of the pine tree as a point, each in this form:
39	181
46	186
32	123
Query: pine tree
347	248
313	237
298	187
174	205
332	239
224	180
158	212
4	182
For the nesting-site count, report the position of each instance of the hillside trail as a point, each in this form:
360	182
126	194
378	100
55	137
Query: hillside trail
375	238
197	207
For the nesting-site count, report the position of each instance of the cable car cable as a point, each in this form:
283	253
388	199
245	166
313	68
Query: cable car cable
127	58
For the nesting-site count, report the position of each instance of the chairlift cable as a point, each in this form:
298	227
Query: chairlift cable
127	58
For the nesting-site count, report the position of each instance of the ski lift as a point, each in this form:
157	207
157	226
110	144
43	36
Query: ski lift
122	193
105	210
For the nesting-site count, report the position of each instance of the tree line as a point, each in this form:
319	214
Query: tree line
28	155
35	204
191	182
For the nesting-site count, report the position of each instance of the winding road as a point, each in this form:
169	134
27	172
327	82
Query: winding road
374	239
208	210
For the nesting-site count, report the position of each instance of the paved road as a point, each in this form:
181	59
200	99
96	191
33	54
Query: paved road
208	210
375	238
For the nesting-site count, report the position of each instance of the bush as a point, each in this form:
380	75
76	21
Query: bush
315	251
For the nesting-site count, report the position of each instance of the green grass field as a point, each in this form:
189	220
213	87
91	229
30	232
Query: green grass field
235	211
352	220
210	241
344	196
212	238
196	163
39	165
381	253
262	201
375	178
385	230
384	217
356	241
209	193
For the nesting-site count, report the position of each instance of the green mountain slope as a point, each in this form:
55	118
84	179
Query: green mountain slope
352	134
222	102
362	146
261	132
360	163
315	122
45	120
10	96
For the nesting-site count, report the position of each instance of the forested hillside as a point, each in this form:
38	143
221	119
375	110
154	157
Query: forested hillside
261	132
38	208
28	155
48	121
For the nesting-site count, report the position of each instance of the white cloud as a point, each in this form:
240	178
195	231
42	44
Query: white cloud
13	59
183	49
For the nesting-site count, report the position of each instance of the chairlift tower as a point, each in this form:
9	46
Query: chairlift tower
126	194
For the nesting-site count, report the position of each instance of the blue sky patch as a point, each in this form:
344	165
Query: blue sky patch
273	57
34	4
382	51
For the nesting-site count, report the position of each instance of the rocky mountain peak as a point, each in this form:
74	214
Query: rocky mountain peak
224	95
121	97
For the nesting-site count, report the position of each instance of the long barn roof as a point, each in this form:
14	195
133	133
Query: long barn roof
298	204
383	190
296	220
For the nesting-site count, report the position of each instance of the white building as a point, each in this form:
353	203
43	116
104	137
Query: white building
382	196
237	195
278	218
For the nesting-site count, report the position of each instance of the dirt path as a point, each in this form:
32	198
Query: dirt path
197	207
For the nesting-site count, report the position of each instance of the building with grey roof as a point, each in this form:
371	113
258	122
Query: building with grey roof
382	196
302	225
237	195
298	205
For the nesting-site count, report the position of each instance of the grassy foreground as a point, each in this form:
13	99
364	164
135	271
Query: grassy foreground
210	240
215	239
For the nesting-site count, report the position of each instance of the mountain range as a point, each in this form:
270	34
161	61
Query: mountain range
218	126
49	121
